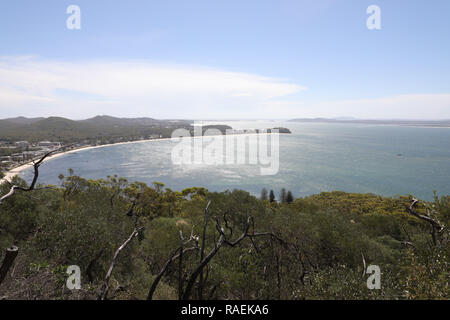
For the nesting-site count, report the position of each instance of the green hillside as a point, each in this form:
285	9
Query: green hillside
102	128
312	248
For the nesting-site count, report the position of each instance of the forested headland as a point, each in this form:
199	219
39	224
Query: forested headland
134	241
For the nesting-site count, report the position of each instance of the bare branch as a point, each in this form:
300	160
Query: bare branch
105	286
271	234
227	224
427	218
36	165
177	254
158	278
200	267
435	224
220	242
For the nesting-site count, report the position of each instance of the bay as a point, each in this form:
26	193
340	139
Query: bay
316	157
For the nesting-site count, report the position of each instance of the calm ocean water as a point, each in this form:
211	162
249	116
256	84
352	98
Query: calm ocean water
386	160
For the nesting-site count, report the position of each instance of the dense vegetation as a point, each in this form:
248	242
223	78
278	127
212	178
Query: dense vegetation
309	248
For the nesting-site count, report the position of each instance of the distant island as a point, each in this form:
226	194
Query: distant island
408	123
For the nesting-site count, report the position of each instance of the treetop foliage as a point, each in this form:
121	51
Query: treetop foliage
315	252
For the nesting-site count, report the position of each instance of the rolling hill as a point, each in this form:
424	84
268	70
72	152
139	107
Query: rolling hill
103	128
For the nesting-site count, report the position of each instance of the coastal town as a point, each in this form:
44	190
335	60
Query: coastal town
13	154
23	151
18	153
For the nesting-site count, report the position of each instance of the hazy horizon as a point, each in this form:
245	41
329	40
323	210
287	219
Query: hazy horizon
341	118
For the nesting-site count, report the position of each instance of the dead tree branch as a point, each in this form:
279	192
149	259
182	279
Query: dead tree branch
200	267
36	165
435	224
11	253
223	240
177	254
158	278
105	286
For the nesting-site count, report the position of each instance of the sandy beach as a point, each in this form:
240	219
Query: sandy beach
15	171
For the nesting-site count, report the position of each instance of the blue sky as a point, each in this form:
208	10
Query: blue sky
225	59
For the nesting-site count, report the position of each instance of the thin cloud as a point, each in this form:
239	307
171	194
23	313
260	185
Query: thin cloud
32	86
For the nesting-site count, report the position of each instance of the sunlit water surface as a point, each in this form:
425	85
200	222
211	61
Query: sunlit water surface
316	157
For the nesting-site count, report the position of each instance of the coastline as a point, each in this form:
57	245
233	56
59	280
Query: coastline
15	171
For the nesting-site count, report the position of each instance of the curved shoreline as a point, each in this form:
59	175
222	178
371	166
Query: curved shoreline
17	170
